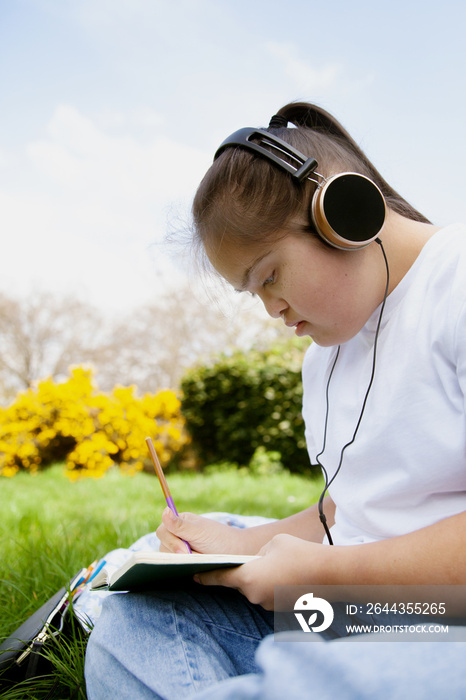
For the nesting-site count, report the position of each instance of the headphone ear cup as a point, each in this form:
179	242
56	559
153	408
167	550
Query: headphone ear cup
348	211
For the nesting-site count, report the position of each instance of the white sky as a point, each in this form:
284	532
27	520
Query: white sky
110	111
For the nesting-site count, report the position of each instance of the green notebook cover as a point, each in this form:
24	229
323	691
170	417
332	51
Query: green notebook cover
149	570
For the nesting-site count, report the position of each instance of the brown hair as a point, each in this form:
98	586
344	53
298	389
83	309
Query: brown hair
245	199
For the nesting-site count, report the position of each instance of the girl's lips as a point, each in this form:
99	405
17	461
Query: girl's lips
299	328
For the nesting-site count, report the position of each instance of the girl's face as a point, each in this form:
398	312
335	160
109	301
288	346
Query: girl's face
322	292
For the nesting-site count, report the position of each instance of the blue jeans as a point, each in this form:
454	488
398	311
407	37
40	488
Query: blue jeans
350	670
202	644
169	644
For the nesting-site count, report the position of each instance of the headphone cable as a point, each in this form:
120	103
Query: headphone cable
328	482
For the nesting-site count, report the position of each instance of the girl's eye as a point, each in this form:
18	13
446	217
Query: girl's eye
269	280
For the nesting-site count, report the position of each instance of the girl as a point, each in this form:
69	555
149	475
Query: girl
300	218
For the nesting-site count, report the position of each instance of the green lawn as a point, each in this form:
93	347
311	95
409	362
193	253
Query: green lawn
50	528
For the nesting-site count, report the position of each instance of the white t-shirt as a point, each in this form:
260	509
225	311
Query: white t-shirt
407	466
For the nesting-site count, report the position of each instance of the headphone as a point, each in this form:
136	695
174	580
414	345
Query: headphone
347	210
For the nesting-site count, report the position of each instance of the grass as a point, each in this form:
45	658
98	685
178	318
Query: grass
50	528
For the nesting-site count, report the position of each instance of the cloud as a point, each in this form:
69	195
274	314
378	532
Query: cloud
97	205
306	77
113	183
142	117
138	24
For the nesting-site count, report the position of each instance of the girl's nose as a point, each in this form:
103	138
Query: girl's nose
275	307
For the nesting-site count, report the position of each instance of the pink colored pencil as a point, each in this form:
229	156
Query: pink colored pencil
163	481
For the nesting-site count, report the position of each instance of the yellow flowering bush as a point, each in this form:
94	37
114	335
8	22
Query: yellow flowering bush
91	431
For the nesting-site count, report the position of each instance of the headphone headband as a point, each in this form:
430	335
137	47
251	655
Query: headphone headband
348	210
243	137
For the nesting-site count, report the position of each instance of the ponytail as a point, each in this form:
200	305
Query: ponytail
308	116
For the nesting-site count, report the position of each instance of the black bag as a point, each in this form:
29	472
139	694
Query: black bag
20	654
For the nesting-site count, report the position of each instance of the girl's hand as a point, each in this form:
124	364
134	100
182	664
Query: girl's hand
204	535
284	561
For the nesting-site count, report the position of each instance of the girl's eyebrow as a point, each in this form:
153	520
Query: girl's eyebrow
249	270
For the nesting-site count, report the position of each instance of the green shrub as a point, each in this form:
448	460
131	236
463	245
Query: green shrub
246	401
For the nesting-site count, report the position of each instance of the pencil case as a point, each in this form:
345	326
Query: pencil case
21	655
